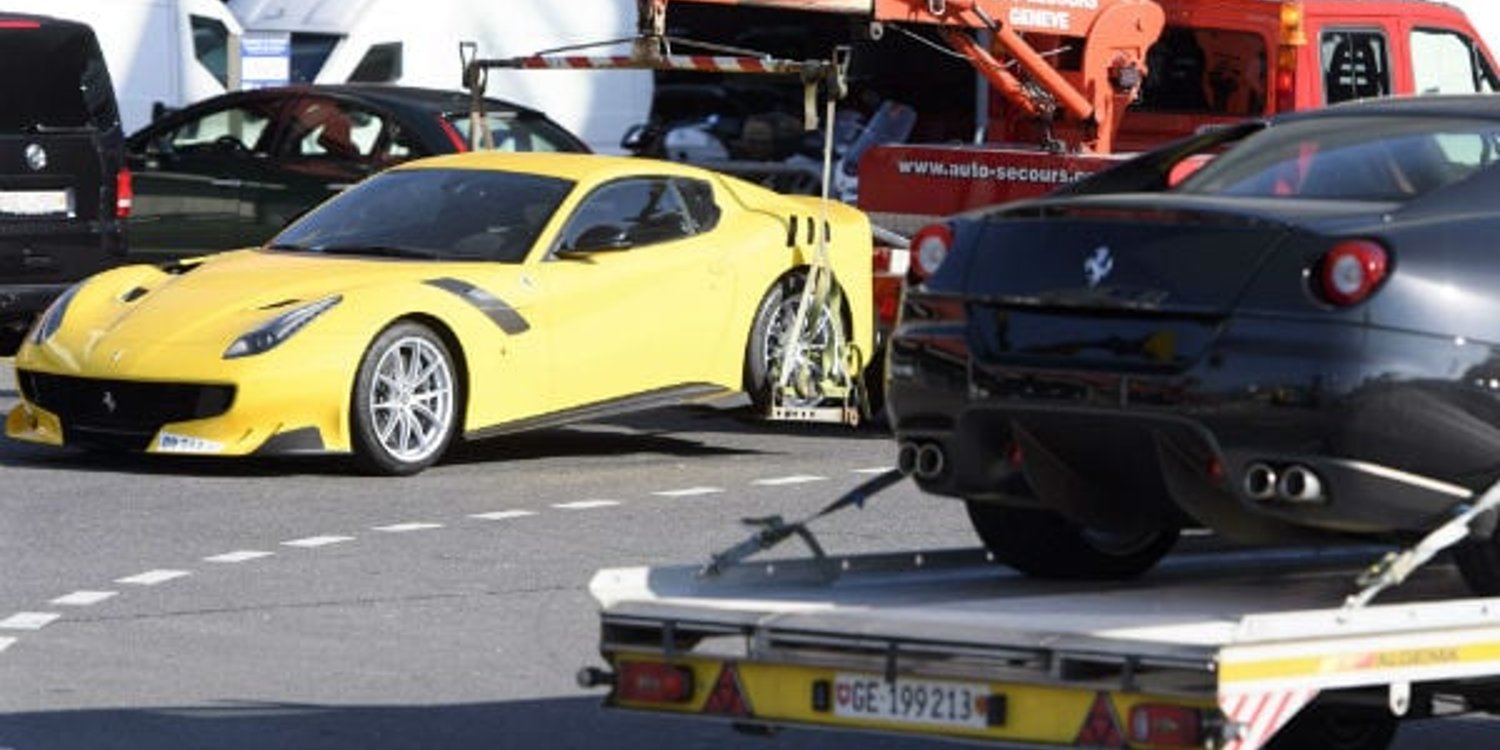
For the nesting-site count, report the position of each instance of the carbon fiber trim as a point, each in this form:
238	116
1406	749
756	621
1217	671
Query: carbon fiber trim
493	307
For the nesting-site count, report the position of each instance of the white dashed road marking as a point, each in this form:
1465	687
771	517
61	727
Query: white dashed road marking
238	556
503	515
586	504
689	492
397	528
29	620
153	577
83	598
317	541
873	470
794	479
6	643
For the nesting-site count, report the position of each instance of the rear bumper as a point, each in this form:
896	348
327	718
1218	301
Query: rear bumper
40	259
1397	428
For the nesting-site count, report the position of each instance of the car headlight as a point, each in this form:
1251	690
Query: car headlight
270	334
52	319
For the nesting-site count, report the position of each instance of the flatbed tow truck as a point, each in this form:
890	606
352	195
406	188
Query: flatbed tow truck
1219	648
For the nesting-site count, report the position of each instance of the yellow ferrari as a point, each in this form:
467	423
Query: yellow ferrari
459	296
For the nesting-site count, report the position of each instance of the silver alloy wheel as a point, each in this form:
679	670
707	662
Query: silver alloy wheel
810	361
411	401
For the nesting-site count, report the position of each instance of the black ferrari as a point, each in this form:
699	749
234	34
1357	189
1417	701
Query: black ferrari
1283	331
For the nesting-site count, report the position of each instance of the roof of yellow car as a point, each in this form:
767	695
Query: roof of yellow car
570	166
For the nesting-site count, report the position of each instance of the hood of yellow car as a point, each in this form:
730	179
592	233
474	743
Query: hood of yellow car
223	296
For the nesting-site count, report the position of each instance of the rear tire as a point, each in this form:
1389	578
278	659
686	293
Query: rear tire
770	331
404	409
1331	726
1479	563
1043	544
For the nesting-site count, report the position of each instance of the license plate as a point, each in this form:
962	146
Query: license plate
36	202
906	701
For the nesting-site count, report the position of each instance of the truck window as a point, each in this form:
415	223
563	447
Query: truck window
1205	71
1356	65
211	46
381	64
1446	62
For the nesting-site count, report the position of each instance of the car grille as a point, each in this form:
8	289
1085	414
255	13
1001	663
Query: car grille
122	414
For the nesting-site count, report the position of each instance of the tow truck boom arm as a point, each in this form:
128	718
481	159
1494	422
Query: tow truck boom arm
1115	35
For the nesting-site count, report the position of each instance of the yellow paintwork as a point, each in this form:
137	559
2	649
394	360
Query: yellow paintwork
782	693
602	327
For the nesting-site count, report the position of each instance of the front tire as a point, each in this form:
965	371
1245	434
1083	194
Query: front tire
771	332
1043	544
1478	562
404	409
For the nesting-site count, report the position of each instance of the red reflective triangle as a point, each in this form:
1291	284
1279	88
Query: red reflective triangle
1100	728
728	695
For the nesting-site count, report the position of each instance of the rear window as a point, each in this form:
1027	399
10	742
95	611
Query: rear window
514	133
1205	71
1384	158
65	83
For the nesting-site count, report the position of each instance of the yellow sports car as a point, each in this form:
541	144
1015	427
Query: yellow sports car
462	295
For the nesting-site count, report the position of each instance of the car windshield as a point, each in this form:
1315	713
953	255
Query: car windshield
1360	158
443	214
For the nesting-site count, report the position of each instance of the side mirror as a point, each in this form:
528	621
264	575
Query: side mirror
601	237
637	137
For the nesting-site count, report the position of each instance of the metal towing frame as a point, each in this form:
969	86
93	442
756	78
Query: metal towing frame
1217	649
826	387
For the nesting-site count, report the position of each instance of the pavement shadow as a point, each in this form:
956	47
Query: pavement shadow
577	723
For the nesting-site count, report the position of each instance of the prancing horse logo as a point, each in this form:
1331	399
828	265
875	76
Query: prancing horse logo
1098	266
109	402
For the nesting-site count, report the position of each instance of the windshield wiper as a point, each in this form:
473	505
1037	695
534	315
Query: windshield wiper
391	251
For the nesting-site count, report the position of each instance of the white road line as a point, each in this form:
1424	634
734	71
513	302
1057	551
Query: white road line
586	504
29	620
6	643
238	556
503	515
317	541
153	577
689	492
83	598
873	470
397	528
794	479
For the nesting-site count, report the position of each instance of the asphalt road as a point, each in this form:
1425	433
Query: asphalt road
177	604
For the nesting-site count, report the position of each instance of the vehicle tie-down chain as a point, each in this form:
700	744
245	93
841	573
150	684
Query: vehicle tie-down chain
773	530
1469	520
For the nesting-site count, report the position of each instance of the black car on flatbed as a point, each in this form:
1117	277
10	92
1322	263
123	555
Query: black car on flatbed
1299	341
64	189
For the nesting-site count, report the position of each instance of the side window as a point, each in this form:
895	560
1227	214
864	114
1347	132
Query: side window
1446	62
327	128
634	211
698	196
512	133
238	128
1356	65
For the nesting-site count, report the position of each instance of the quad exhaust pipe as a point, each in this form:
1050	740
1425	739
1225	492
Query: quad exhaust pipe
924	460
1295	484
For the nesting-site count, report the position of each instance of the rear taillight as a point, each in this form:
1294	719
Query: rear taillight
1166	726
1293	36
1350	272
647	682
124	194
929	247
9	23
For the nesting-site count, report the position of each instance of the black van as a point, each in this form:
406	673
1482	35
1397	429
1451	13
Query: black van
64	189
